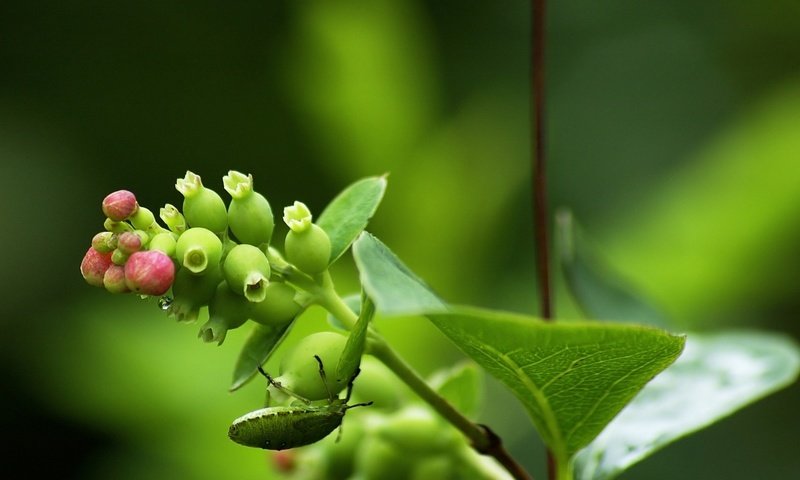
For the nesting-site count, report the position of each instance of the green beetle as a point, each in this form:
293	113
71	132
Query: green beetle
278	428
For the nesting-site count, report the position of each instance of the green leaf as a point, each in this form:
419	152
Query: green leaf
599	292
348	214
261	343
462	386
572	378
394	288
716	375
356	341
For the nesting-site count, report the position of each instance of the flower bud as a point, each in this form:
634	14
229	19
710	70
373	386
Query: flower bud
246	270
104	242
192	292
163	242
226	311
119	205
202	207
278	306
173	218
114	279
119	257
129	242
198	249
94	266
307	245
149	272
249	213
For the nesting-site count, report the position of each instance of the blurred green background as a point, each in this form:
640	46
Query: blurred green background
674	136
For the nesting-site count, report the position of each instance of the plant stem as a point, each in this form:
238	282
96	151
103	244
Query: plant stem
482	438
539	178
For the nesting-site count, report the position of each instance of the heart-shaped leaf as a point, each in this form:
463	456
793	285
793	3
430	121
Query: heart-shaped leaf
262	341
716	375
394	288
348	214
573	378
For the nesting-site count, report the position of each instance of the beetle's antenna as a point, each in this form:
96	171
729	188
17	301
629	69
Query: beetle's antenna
324	378
281	388
350	385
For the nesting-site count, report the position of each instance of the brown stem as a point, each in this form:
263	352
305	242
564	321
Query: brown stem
539	178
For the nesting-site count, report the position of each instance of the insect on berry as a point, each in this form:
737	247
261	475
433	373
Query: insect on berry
278	428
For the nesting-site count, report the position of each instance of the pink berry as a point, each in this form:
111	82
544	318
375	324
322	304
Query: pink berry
114	279
94	266
149	272
119	205
129	242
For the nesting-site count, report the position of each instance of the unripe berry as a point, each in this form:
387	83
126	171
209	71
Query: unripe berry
202	206
119	257
198	249
380	460
300	370
163	242
440	467
307	245
417	430
143	219
278	306
249	213
119	205
94	266
114	279
226	312
149	272
246	270
191	292
116	227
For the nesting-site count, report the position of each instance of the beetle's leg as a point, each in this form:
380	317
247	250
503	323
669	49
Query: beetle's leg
350	385
280	387
324	378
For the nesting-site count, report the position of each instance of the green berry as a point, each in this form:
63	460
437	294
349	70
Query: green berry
163	242
192	292
226	311
142	219
278	306
380	460
440	467
416	430
249	213
246	270
202	206
103	242
307	245
300	370
198	249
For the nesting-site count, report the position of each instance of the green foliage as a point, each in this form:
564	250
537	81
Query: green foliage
573	378
348	214
260	344
394	288
717	375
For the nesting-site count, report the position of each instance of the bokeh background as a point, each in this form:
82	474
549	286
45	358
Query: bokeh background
674	136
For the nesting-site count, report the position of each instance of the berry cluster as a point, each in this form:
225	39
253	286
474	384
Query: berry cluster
207	254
